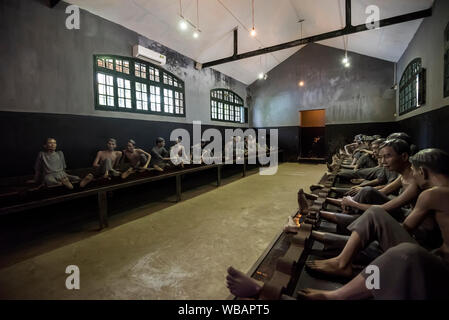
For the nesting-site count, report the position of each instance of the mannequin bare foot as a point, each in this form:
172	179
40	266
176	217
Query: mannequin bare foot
241	285
87	179
331	267
158	168
313	294
115	173
127	173
67	184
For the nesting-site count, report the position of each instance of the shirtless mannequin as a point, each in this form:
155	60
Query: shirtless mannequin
365	167
160	155
104	163
395	157
178	154
50	167
231	149
402	254
137	159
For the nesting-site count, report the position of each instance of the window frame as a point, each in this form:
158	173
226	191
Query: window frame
224	102
133	79
419	90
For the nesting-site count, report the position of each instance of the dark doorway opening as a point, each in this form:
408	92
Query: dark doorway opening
312	135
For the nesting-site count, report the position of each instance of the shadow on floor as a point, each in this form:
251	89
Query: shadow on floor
24	235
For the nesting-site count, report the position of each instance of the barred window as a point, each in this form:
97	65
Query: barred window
226	105
141	96
220	110
133	85
122	66
168	101
412	87
105	89
124	93
153	73
179	105
226	112
214	113
155	98
140	70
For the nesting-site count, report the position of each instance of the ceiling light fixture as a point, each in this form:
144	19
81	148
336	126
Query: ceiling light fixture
253	30
345	61
184	22
183	25
197	30
300	83
263	75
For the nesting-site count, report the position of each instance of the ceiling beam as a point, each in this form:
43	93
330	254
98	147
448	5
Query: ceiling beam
348	29
52	3
235	41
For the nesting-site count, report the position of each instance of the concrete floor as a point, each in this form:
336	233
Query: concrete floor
179	252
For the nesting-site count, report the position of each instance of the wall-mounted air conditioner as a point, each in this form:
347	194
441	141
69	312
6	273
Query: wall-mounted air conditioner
149	55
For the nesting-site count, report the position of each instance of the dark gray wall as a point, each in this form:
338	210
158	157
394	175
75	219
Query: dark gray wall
47	68
357	94
79	137
428	130
428	44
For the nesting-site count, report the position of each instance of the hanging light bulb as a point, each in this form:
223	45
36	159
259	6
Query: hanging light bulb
196	33
265	76
183	25
347	65
301	83
345	60
260	76
253	32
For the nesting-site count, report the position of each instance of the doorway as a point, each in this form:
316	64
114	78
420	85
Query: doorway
312	134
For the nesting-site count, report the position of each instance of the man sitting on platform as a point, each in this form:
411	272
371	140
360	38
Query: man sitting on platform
50	167
406	268
134	159
178	154
104	164
395	157
367	166
160	156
